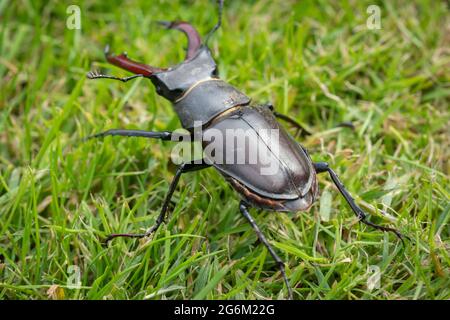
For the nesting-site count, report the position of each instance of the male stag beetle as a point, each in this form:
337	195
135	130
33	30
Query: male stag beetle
201	98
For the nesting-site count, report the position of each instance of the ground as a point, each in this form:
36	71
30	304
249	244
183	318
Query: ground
320	62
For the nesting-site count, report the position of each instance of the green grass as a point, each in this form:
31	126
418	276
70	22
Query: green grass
314	60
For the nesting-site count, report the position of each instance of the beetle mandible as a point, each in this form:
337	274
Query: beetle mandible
200	97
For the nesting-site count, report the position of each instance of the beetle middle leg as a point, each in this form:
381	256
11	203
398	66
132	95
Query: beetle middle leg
243	206
183	168
300	128
324	167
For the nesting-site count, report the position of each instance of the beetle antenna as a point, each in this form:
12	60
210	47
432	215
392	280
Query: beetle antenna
219	21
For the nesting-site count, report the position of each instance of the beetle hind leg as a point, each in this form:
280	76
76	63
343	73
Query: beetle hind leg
324	167
243	206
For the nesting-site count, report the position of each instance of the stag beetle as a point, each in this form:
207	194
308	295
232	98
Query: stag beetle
201	98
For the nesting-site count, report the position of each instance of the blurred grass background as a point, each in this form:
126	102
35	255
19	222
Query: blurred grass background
314	60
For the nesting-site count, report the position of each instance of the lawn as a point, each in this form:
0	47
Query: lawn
316	61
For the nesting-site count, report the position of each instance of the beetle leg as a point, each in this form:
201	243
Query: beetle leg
194	40
185	167
346	124
163	135
243	206
301	129
304	132
324	167
96	75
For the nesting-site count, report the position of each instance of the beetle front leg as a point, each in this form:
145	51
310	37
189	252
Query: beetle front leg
183	168
244	210
163	135
324	167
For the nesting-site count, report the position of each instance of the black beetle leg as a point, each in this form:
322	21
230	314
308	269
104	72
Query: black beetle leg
300	128
163	135
185	167
324	167
244	210
96	75
346	124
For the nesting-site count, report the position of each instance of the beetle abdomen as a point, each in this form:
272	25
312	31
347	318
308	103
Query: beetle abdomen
256	200
261	159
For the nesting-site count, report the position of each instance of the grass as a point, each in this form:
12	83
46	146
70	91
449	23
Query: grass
314	60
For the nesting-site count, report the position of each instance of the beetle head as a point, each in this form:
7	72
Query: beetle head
174	82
